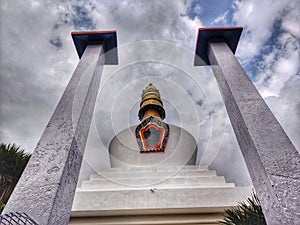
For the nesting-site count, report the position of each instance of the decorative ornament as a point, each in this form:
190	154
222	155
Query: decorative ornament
152	135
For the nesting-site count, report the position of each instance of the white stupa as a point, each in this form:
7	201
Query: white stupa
154	178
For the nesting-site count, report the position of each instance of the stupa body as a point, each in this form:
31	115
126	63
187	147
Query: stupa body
181	150
154	178
163	144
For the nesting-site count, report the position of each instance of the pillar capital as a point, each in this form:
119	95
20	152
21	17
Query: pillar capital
108	38
230	35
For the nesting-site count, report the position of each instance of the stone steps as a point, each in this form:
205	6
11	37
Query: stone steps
153	168
165	198
146	189
119	187
159	181
155	173
136	178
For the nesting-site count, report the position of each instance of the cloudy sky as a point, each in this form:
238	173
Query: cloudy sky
156	42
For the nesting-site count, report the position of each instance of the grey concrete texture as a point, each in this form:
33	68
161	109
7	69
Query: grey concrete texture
272	160
181	150
162	198
46	188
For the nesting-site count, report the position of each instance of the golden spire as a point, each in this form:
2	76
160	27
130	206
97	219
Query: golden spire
151	103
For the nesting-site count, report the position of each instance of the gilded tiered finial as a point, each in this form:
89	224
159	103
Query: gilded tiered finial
152	133
151	103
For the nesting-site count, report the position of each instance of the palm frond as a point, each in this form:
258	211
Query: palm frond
246	213
13	160
2	205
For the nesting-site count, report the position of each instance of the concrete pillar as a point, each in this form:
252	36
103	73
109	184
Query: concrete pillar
46	189
272	160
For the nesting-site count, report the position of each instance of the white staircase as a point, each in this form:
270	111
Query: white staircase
171	177
143	195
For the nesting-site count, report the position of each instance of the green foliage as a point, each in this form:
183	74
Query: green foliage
246	213
12	163
2	205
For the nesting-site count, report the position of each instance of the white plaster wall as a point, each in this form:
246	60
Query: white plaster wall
181	150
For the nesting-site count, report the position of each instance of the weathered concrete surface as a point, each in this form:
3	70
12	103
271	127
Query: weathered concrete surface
272	160
183	188
111	202
46	189
150	205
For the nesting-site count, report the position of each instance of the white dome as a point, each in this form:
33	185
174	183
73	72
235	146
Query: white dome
181	150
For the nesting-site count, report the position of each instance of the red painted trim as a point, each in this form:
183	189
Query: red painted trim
144	142
214	28
93	32
219	28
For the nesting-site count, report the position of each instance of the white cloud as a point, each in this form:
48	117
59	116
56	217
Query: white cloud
147	20
290	20
197	9
279	66
257	17
35	71
286	108
278	77
221	18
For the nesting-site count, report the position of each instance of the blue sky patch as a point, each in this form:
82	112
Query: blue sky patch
208	11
